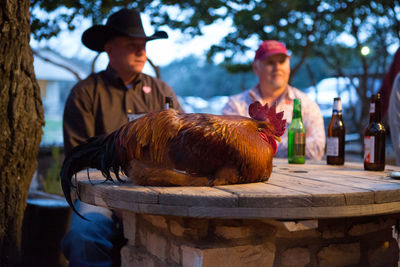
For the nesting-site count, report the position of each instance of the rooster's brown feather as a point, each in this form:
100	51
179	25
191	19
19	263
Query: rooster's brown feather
172	148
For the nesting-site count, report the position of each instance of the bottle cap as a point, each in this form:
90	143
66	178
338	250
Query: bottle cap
337	105
376	97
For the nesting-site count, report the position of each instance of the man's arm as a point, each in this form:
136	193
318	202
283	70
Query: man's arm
229	108
394	118
78	119
315	131
235	106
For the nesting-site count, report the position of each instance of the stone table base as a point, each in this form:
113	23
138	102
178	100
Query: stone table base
180	241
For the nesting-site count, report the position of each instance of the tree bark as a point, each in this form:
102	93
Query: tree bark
21	116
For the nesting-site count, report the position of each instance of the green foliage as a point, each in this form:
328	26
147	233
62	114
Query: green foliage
52	181
192	76
310	73
332	30
68	14
309	28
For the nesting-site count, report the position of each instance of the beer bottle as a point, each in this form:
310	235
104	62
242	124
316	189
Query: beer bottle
296	136
336	135
168	102
374	138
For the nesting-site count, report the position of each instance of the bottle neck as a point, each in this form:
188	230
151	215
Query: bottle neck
337	108
168	103
296	111
375	111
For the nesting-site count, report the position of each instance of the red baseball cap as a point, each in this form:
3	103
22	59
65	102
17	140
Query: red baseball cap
269	48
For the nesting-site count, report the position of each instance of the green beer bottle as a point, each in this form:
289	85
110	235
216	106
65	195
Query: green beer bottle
297	136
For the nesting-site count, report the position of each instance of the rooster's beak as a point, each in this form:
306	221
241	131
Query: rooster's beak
277	138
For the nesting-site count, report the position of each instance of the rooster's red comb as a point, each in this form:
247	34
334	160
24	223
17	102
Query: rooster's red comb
264	113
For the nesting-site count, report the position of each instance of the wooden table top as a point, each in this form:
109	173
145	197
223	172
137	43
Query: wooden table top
308	191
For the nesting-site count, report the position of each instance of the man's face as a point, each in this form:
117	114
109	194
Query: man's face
273	71
127	54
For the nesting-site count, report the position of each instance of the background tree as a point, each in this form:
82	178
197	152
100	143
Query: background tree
373	25
69	14
21	121
193	76
331	30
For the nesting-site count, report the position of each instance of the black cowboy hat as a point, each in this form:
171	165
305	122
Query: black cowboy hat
125	22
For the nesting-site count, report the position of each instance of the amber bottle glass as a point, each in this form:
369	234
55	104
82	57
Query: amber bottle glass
169	103
336	136
374	138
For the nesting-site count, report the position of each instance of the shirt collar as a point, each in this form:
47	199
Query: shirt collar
290	94
255	95
113	77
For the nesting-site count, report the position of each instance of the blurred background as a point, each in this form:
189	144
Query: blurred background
339	48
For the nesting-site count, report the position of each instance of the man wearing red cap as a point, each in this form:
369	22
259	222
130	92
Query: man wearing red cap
98	105
272	67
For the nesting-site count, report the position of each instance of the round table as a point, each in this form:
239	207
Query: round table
305	214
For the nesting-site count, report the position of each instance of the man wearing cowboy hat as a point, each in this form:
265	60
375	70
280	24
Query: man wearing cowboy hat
100	104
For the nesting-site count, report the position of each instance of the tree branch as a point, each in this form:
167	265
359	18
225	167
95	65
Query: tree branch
156	68
36	53
92	66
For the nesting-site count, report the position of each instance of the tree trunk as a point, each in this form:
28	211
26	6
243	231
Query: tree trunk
21	116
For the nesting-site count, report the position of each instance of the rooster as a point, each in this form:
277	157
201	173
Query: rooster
168	148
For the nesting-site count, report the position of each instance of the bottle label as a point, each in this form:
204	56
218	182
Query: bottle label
369	149
332	146
372	108
299	149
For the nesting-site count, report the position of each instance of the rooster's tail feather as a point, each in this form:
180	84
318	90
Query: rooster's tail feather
97	152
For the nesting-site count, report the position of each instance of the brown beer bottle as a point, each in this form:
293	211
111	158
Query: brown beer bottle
374	138
336	135
169	103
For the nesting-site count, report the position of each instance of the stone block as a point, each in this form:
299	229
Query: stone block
292	229
189	227
154	243
370	227
157	221
333	232
294	226
196	228
175	253
130	256
384	254
238	256
339	255
283	233
230	232
130	227
335	228
176	228
295	257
